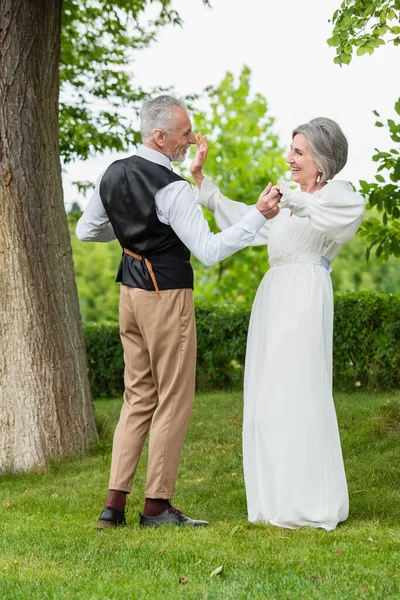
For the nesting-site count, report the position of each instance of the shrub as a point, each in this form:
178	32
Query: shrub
366	346
105	359
366	341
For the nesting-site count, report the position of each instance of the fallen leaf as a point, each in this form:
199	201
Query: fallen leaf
235	422
217	571
234	474
60	562
25	492
374	548
370	539
7	505
161	551
183	580
218	447
338	551
315	578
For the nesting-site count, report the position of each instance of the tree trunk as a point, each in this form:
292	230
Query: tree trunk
45	403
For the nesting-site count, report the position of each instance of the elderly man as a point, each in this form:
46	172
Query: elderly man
154	214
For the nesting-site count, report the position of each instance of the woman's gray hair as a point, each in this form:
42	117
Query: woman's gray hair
157	114
328	145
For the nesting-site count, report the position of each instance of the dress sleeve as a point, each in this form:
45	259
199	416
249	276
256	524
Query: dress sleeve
228	212
336	210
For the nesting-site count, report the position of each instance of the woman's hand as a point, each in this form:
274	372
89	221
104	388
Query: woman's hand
268	201
196	168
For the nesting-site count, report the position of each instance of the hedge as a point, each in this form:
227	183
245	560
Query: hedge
366	346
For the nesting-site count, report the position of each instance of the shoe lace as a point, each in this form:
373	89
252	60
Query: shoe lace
175	511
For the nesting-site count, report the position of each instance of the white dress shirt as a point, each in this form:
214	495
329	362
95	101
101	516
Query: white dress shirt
176	206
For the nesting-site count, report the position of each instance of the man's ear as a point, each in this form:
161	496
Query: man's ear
159	137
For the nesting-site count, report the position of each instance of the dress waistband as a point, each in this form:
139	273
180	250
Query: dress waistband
312	258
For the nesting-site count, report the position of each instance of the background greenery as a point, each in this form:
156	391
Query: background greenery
366	346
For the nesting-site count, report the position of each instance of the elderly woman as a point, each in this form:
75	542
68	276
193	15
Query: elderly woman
293	463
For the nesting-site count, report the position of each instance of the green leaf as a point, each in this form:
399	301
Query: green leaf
362	50
333	41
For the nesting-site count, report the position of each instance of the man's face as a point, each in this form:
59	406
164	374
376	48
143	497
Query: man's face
180	137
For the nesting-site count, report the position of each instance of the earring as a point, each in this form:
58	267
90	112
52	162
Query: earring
319	176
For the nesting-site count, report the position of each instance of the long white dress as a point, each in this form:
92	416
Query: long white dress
293	463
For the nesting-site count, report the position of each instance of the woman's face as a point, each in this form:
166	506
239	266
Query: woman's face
304	170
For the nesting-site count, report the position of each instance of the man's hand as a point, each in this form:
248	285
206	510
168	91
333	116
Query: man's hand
196	168
268	201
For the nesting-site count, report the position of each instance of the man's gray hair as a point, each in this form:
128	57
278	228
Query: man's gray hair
157	114
328	145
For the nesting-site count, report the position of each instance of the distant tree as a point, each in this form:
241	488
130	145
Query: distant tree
365	25
76	209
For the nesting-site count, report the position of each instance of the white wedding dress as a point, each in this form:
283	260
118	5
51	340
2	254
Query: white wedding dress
293	463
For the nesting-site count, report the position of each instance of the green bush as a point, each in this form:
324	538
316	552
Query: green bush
366	341
105	359
366	346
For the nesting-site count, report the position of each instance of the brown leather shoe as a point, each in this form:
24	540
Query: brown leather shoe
111	517
171	516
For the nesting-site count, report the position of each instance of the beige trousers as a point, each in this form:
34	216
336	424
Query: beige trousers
159	341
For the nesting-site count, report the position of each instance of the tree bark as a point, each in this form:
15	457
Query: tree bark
45	404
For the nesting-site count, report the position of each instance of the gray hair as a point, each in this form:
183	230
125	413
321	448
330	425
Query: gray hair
157	114
328	145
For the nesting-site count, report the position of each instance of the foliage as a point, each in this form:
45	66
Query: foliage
385	196
245	154
351	275
99	98
365	25
366	346
105	361
366	341
50	550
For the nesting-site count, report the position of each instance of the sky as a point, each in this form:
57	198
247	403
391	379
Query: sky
284	45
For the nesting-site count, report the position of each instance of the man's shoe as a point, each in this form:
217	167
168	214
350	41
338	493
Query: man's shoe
171	516
110	517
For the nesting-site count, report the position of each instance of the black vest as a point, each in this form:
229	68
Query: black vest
127	190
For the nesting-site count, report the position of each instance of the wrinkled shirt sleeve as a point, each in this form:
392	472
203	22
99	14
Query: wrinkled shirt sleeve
228	212
177	206
94	225
336	210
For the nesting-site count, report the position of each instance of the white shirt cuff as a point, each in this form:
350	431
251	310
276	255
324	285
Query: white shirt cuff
254	220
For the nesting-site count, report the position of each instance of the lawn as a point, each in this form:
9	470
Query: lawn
49	547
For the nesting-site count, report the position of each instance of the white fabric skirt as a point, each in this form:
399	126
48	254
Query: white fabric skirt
293	463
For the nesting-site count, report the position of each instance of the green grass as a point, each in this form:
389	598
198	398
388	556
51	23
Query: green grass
49	547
